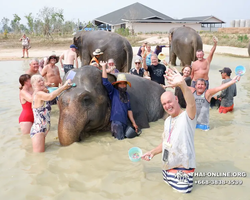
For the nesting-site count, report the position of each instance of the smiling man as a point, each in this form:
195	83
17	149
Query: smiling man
203	97
51	72
200	68
177	144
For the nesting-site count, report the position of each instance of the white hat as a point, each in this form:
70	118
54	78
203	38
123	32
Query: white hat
97	52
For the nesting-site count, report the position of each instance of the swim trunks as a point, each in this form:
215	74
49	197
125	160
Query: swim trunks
226	109
41	119
27	113
179	179
67	68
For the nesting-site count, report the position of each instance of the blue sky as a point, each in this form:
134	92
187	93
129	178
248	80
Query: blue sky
226	10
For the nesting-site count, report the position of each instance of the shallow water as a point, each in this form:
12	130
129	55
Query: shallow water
99	167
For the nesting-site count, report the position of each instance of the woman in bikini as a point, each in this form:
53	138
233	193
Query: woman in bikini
41	109
26	117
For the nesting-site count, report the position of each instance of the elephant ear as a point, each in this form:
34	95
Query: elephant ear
112	77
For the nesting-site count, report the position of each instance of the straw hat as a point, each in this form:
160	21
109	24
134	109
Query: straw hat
161	56
121	78
54	55
97	52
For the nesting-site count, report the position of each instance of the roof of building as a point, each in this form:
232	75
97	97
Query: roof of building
136	12
202	19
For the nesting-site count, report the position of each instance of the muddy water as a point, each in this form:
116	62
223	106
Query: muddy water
99	168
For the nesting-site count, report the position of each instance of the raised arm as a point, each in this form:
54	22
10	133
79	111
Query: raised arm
50	96
104	72
61	58
210	56
144	63
174	79
213	91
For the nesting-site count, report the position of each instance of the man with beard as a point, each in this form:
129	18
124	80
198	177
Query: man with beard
200	68
120	104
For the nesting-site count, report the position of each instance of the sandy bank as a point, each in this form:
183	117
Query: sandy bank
15	54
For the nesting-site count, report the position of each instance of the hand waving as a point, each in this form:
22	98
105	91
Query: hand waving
174	78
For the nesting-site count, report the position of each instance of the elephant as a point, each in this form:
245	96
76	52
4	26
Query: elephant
86	108
184	42
249	49
111	44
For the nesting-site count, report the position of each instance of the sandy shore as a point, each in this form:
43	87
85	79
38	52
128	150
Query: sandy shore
16	54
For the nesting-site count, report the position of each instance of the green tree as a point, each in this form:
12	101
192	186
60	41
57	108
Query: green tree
15	23
51	20
30	20
5	25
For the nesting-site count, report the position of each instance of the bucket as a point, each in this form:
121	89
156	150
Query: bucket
135	154
240	70
130	132
51	89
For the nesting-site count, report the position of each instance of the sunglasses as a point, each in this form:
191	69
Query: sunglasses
52	57
137	63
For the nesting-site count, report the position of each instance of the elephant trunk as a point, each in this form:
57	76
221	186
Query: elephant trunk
69	129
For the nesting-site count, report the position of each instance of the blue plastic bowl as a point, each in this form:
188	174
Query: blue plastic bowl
51	89
240	70
135	154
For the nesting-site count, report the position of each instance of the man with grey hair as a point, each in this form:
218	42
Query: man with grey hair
156	69
34	66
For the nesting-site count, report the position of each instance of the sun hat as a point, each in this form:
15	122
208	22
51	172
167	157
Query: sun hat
54	55
97	52
121	78
73	46
226	70
137	60
161	56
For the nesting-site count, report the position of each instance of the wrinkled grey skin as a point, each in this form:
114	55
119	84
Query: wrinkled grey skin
86	108
111	44
249	49
184	42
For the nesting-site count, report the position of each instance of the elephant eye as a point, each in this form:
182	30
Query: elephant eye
86	101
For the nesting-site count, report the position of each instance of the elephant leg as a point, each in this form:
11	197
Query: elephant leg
173	59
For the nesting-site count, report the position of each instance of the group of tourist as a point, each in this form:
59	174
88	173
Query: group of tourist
177	146
34	97
192	93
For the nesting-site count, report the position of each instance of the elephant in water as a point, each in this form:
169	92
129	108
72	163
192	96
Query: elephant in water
111	44
86	108
183	43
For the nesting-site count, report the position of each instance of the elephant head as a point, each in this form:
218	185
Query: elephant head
84	108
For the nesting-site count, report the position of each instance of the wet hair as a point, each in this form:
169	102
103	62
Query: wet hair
35	78
202	80
22	79
34	59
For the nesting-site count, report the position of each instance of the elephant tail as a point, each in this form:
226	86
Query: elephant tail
128	49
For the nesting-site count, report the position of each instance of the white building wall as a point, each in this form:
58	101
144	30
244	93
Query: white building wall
159	27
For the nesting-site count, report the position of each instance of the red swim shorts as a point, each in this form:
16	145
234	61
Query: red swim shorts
226	109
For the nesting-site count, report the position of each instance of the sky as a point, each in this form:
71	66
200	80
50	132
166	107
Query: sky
226	10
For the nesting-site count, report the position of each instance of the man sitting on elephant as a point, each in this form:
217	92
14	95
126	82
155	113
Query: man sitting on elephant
120	108
200	68
156	69
97	53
